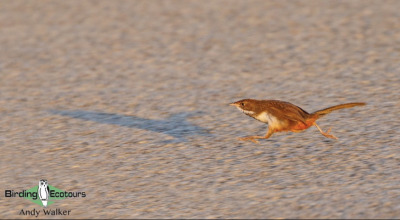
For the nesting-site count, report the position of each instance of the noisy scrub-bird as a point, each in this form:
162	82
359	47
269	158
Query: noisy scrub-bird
284	116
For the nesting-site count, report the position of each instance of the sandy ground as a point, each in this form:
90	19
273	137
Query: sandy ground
127	101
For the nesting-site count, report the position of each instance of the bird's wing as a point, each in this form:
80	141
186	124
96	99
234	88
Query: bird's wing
287	111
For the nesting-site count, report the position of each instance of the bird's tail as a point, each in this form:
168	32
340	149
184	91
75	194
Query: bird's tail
318	114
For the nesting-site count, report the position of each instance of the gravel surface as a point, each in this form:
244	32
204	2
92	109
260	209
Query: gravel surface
127	101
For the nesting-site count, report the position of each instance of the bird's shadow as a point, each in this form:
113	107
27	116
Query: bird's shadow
175	125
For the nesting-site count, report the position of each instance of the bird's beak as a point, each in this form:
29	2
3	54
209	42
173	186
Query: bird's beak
233	104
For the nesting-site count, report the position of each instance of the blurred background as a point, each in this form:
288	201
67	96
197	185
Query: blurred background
127	101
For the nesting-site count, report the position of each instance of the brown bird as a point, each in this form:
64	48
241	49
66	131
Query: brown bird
284	116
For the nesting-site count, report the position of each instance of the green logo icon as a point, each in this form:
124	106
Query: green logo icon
44	194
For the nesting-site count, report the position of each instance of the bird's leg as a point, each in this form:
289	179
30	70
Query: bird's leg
326	134
269	133
253	138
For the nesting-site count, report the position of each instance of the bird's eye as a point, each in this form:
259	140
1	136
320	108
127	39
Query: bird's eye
242	103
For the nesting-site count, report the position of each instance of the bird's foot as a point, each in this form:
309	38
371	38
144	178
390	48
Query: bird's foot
326	134
251	138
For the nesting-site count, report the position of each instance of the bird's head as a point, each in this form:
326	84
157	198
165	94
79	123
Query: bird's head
247	106
42	182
